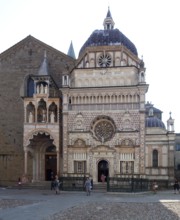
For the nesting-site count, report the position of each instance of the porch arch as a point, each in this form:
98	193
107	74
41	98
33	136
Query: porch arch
37	142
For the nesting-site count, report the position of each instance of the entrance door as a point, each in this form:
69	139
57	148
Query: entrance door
103	168
50	166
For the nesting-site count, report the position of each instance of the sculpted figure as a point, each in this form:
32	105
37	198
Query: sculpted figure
52	117
30	117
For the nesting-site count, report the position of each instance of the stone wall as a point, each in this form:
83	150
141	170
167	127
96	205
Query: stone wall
16	63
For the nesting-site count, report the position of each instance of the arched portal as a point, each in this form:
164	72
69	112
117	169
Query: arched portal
103	168
44	157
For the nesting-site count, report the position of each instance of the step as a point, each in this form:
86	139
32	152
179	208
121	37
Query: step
101	187
35	185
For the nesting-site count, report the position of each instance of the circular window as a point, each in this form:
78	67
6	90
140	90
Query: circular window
103	130
104	60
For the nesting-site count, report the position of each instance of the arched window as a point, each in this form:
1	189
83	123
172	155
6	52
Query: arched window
53	113
30	88
155	158
42	111
30	113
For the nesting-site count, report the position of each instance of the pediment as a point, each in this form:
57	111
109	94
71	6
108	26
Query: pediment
30	44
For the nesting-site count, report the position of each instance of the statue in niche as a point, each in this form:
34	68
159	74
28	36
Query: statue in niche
45	89
127	124
52	117
44	116
31	117
41	89
37	89
78	123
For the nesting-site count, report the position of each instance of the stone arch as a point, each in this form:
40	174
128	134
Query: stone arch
39	131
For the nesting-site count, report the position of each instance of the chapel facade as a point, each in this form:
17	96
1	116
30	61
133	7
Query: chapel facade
87	116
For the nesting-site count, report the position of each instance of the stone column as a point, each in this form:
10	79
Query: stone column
65	130
65	143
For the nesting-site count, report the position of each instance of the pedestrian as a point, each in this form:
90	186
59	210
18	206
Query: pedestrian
56	184
176	186
52	181
103	177
91	179
87	186
19	183
154	187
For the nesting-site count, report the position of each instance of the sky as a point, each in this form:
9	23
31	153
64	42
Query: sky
152	25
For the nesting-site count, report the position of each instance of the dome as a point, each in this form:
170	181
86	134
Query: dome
108	36
154	122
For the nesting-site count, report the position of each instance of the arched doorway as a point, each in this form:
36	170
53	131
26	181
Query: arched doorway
50	162
103	168
44	157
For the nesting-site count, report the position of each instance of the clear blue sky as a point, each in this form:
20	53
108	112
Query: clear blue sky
152	25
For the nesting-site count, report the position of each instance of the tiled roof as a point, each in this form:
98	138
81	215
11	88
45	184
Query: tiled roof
109	37
154	122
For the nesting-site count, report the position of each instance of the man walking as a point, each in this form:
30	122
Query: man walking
87	186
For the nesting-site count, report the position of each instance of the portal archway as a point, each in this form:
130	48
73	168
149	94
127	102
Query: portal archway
44	159
103	168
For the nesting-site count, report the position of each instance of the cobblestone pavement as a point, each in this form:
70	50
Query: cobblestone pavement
46	205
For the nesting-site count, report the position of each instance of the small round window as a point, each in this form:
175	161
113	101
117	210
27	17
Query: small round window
104	60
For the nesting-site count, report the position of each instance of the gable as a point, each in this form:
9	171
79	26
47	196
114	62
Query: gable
28	54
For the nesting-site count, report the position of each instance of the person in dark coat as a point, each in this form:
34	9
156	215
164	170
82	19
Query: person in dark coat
176	186
87	186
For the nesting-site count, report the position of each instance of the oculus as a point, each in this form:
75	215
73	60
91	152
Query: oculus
103	129
104	60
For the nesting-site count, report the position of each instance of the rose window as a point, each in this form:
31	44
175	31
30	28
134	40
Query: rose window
103	130
104	60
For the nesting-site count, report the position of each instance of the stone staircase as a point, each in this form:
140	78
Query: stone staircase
100	187
46	185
